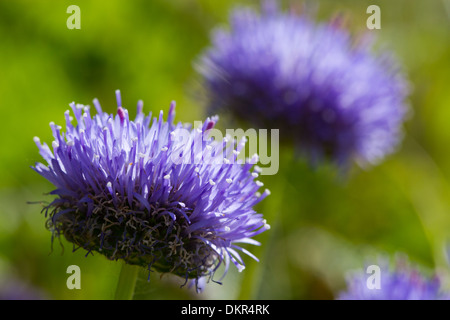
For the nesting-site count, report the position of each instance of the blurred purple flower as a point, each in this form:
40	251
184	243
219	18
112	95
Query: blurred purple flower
401	283
329	96
16	289
133	190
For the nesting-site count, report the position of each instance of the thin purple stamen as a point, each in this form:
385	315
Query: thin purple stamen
210	125
121	114
118	98
140	107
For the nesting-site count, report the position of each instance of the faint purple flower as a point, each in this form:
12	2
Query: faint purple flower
121	193
399	283
17	289
330	96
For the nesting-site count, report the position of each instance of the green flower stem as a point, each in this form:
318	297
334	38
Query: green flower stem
127	282
425	186
254	273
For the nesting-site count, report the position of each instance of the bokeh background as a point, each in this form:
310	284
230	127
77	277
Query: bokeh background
323	225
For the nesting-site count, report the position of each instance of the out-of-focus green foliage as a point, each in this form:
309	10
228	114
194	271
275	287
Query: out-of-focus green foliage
322	225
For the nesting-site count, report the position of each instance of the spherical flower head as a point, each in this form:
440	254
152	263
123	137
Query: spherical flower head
331	98
150	192
402	282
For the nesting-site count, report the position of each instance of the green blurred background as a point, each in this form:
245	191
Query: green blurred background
322	225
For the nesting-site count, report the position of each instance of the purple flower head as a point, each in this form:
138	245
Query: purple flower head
330	97
400	283
150	192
